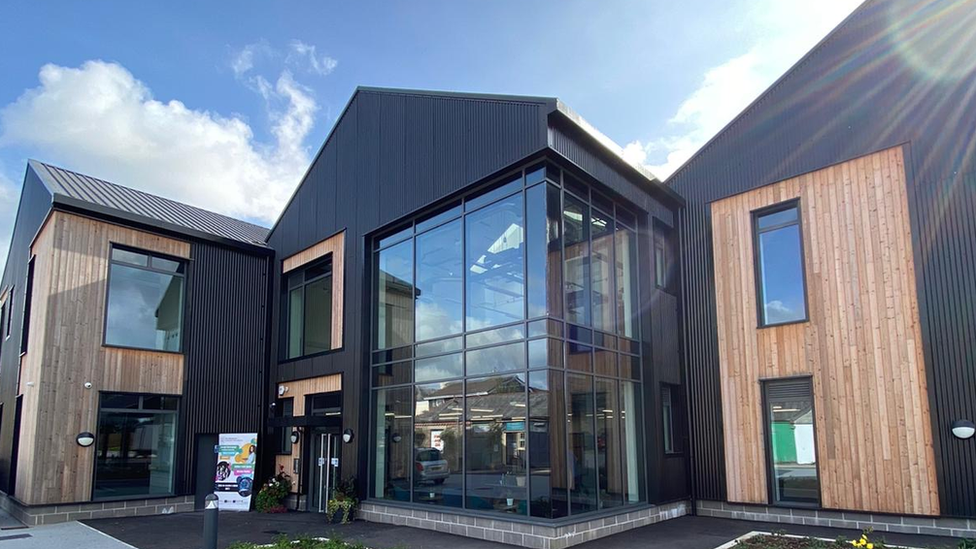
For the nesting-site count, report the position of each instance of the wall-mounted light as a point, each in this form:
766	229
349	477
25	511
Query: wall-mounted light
396	438
85	439
295	435
347	436
963	428
282	390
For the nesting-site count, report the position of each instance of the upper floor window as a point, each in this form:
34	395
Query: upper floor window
8	313
28	291
308	309
144	309
780	278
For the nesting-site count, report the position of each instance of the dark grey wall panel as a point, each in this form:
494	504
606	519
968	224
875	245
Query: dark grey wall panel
35	203
857	93
225	346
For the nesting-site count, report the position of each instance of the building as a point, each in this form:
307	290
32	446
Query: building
477	316
133	321
829	276
487	261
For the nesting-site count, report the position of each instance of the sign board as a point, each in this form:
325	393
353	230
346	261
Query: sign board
436	441
234	478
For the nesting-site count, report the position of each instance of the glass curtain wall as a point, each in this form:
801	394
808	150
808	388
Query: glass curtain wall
504	351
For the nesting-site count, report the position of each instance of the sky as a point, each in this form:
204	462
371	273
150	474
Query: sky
223	104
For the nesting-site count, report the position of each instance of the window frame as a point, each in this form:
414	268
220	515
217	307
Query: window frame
28	299
284	313
674	403
108	291
768	442
793	203
8	305
176	441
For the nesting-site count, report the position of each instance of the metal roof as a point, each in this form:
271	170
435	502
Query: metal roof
88	193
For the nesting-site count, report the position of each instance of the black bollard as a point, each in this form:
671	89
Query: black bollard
210	522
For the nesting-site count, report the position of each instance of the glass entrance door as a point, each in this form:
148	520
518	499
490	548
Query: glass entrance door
325	470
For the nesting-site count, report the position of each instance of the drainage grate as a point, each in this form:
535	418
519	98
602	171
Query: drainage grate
15	536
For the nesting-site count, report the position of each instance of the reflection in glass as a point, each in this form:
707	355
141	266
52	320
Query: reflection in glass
439	346
438	443
295	316
781	270
503	358
536	233
498	335
145	309
631	441
608	443
579	357
667	415
134	453
495	286
547	442
545	353
626	261
394	296
789	415
391	443
601	272
439	267
582	443
576	226
440	367
605	362
496	460
397	373
318	315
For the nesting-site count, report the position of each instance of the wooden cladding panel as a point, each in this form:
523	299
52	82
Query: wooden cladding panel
862	344
334	245
67	324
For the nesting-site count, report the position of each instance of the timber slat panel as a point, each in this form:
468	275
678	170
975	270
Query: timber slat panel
862	343
298	390
67	319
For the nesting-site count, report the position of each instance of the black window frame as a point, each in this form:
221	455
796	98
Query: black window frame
108	290
675	403
176	440
284	433
757	259
9	306
765	383
285	312
25	318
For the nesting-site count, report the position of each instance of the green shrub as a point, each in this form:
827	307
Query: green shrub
271	497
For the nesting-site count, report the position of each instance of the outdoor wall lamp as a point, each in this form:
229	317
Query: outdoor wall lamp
295	435
85	439
347	436
963	428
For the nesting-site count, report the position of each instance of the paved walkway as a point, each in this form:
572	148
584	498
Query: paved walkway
184	530
68	535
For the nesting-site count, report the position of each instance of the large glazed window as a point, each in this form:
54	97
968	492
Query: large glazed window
505	367
135	445
309	315
791	442
779	254
145	300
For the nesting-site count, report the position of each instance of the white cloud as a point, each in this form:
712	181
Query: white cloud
305	53
777	311
781	33
101	120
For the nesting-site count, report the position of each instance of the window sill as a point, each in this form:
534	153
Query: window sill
790	323
313	355
110	346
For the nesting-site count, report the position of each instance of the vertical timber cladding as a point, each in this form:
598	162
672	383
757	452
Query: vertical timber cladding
862	343
334	245
65	350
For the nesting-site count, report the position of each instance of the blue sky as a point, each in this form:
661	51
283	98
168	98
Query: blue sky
222	105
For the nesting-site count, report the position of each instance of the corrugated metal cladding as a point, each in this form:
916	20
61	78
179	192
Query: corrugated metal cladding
393	153
35	203
225	345
874	83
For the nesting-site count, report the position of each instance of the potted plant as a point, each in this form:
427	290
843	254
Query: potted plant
271	497
341	508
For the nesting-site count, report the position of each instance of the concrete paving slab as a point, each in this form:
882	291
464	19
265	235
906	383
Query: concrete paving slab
67	535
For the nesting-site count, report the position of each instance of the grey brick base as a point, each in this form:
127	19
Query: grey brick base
934	526
33	515
533	536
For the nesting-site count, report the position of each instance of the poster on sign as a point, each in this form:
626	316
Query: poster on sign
234	479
